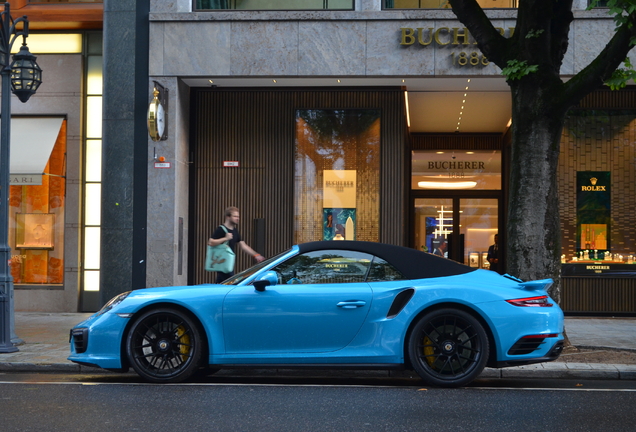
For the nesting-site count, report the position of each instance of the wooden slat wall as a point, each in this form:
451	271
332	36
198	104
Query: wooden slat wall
598	295
610	99
256	127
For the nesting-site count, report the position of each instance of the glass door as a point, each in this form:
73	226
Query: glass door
433	225
476	220
479	224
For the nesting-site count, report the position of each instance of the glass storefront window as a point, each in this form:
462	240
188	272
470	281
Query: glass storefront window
455	170
36	209
444	4
596	189
599	4
273	5
337	175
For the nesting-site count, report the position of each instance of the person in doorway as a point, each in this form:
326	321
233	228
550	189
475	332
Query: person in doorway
233	238
493	255
441	248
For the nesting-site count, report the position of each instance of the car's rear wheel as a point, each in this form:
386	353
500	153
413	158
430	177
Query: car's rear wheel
448	348
164	346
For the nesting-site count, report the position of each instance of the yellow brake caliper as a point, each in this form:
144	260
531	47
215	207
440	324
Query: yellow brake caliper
184	342
428	351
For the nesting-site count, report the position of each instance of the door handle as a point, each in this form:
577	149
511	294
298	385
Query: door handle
351	304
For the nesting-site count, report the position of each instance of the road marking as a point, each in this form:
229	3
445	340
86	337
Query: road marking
549	389
416	388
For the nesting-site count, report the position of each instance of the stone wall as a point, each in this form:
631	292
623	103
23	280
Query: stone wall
346	43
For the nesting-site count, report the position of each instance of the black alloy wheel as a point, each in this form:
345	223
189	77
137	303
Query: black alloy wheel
164	346
448	348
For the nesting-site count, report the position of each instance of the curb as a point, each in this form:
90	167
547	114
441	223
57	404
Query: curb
49	367
591	371
604	348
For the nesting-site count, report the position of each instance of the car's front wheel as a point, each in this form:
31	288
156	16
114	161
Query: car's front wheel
448	348
164	346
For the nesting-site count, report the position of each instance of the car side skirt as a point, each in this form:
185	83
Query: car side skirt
352	366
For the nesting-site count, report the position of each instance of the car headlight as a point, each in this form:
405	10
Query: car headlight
113	302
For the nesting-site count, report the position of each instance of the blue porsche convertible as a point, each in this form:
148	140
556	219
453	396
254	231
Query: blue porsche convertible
329	305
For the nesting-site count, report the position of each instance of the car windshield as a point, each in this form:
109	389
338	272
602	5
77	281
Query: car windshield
240	277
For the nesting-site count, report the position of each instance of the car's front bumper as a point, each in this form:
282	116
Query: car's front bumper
98	342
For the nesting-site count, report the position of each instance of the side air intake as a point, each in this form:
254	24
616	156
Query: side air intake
400	302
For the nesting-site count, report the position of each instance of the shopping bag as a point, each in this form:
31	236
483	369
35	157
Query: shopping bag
220	258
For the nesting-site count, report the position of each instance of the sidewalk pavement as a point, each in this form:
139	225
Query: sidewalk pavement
46	348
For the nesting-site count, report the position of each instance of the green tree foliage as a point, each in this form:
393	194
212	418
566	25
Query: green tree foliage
621	10
518	69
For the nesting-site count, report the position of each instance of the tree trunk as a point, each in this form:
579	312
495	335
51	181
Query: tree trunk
533	229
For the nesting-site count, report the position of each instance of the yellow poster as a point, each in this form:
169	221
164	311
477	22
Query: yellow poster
339	189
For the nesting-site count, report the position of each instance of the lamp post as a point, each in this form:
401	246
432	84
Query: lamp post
23	76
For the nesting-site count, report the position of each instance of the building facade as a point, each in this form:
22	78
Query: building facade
357	119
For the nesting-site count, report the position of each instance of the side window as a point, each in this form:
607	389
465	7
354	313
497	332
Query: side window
324	267
383	271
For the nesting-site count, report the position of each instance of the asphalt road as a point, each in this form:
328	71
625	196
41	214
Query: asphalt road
111	402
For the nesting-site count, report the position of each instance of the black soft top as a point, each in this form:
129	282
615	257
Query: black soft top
412	263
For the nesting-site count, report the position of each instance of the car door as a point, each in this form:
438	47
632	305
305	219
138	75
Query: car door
319	305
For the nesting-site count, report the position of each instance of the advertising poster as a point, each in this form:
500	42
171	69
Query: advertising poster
339	224
593	209
339	205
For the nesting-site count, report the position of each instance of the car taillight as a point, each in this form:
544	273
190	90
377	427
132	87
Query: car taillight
541	301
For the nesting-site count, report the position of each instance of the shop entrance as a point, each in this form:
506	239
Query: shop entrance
456	200
460	227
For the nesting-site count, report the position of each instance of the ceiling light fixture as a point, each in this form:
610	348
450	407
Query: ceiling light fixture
447	185
406	103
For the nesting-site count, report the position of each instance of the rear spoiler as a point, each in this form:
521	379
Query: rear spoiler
543	284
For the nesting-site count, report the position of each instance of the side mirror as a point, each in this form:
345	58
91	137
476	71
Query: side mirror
260	285
268	279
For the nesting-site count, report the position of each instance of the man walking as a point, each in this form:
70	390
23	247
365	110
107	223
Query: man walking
231	235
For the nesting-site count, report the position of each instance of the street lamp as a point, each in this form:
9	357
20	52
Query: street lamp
23	77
